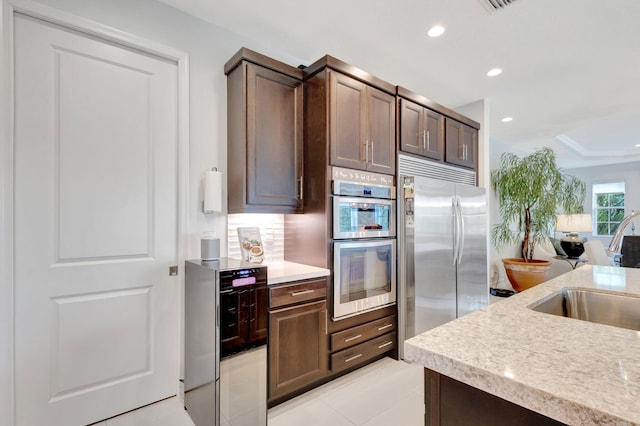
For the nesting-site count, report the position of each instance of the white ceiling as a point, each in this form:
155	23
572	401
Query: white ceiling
571	76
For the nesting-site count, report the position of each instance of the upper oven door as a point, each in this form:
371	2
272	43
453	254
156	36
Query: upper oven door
356	217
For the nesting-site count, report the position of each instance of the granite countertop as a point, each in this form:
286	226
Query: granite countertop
574	371
282	272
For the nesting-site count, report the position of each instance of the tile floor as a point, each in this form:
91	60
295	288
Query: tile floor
387	392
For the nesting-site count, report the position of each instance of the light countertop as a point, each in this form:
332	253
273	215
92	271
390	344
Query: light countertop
282	272
574	371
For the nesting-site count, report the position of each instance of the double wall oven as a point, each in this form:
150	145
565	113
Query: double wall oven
364	244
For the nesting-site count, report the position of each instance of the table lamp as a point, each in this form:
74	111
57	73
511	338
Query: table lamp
572	243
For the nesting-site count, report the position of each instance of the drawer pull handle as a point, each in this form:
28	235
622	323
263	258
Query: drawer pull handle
384	327
349	339
351	358
385	344
300	293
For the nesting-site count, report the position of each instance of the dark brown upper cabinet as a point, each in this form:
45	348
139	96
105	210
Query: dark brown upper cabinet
264	135
421	130
362	122
430	130
461	144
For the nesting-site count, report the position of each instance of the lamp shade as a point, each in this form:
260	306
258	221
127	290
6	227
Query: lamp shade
574	223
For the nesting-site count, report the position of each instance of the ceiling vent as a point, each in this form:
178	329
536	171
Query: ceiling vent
493	5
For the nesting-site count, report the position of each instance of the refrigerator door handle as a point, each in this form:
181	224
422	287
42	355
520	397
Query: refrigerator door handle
460	242
454	219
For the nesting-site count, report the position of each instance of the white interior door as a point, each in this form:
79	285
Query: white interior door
96	312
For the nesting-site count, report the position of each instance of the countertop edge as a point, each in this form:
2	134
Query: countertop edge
284	272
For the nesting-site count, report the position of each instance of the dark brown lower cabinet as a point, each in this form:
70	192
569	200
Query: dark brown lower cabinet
363	352
297	347
450	402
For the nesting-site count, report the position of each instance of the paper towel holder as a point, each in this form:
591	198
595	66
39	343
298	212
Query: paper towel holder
212	200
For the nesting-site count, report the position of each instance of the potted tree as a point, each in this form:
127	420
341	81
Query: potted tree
531	190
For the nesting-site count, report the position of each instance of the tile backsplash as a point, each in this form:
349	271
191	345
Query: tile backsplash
271	231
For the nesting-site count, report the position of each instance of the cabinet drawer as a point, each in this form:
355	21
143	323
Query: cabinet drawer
362	352
290	294
362	333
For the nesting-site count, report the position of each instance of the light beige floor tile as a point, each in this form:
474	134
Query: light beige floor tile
387	392
311	413
407	412
372	394
152	414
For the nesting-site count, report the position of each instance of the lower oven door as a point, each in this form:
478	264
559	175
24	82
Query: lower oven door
364	276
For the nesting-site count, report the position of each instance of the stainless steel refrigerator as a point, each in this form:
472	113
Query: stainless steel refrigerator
442	252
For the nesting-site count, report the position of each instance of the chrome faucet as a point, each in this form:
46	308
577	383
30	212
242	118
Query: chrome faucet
616	241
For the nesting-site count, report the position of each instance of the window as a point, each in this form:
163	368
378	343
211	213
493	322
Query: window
608	206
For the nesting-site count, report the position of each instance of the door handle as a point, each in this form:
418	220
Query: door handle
301	180
454	220
461	229
366	151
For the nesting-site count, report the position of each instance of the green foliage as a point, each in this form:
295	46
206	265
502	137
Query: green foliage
531	190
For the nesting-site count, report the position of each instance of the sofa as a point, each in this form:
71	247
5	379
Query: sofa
546	250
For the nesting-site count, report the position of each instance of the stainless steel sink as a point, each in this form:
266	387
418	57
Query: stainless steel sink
617	309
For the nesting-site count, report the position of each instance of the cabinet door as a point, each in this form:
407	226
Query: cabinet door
298	352
274	139
411	127
433	135
347	100
461	144
380	144
259	322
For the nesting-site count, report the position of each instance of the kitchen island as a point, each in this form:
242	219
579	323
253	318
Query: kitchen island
572	371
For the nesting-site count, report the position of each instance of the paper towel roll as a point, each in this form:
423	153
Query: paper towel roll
213	191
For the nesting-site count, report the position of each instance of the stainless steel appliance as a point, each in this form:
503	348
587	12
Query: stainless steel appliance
442	234
364	276
225	370
363	210
364	245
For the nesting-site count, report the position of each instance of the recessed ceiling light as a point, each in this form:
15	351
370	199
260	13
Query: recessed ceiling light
435	31
507	119
494	71
638	145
